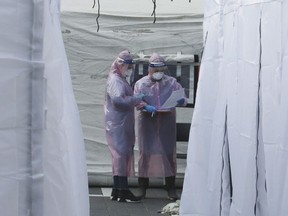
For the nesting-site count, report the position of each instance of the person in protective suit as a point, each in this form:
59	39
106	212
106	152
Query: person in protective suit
119	125
156	127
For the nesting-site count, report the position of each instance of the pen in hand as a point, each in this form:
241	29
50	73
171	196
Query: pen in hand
150	109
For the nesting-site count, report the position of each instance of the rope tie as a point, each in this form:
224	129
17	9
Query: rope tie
98	15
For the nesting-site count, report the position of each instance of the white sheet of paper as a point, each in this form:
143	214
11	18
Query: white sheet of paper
172	100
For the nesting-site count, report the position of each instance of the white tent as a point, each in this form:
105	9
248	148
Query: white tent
237	155
124	24
43	166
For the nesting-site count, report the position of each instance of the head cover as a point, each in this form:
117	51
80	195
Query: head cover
156	61
125	57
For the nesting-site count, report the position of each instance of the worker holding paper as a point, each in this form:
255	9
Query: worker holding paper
157	125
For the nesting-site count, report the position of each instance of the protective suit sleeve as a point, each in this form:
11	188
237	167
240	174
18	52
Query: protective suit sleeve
177	86
139	106
118	92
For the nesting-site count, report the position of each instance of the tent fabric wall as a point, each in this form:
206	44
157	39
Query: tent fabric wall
43	167
91	53
237	153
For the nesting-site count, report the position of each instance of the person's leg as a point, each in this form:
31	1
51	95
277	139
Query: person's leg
170	187
115	189
123	183
143	185
125	195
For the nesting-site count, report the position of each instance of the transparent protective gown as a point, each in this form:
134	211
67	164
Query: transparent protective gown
42	159
157	133
237	157
119	124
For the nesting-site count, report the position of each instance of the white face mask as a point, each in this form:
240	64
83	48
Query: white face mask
157	75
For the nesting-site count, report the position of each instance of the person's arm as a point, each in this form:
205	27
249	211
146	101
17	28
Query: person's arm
182	101
116	91
143	105
137	91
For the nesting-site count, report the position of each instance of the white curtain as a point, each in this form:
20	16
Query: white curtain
237	154
43	167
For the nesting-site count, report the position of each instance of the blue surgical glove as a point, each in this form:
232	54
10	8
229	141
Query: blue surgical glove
181	102
150	109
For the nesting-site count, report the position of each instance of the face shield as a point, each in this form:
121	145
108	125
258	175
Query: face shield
157	70
157	64
127	66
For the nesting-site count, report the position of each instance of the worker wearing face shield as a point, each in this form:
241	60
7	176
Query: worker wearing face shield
157	128
119	125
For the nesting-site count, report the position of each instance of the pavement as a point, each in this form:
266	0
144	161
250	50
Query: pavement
101	205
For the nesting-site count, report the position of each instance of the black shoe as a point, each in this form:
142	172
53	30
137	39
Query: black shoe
141	192
127	196
114	194
172	195
143	185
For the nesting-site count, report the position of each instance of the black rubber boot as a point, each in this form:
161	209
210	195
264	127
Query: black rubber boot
127	196
123	183
115	190
170	187
143	185
114	194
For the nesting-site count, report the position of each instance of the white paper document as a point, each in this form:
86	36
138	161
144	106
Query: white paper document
172	100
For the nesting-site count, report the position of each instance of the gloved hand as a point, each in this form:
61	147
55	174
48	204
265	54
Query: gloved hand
150	109
181	101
